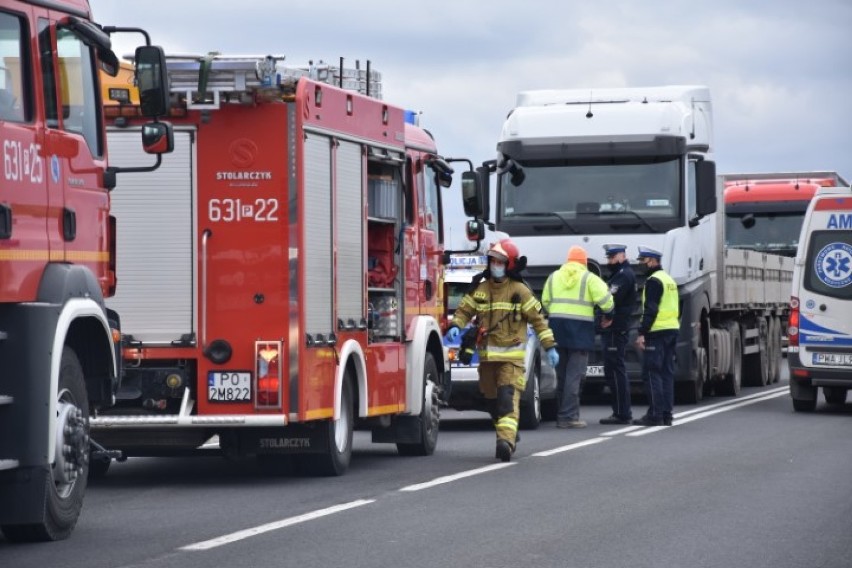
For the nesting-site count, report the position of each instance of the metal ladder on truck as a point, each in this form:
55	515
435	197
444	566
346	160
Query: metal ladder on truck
205	82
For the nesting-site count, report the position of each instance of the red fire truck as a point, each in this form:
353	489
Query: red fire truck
58	360
282	275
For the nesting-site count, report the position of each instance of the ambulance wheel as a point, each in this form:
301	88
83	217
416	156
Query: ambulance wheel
430	414
834	395
530	406
66	484
334	459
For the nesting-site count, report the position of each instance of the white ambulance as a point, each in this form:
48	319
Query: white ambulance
820	327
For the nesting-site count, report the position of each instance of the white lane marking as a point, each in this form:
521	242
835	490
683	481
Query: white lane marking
570	447
621	431
719	410
243	534
737	400
449	478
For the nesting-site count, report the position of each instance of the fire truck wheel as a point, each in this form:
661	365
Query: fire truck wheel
66	483
429	415
334	460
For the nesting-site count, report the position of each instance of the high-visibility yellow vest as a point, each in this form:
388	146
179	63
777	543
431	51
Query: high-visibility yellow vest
669	312
579	303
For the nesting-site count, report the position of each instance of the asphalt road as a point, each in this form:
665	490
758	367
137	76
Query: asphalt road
735	482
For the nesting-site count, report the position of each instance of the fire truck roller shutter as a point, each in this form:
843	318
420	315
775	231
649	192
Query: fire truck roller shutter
350	247
154	214
318	236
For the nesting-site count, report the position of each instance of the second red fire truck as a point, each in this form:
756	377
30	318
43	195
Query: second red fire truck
281	278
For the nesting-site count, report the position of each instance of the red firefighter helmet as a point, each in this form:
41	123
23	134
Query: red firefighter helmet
507	251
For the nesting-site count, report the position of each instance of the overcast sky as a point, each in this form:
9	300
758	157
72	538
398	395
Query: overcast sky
779	72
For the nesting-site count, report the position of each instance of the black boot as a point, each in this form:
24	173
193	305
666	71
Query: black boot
504	450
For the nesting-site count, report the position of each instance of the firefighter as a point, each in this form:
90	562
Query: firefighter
503	305
658	332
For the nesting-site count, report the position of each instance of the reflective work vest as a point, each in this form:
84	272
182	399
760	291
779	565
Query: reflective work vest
576	304
667	315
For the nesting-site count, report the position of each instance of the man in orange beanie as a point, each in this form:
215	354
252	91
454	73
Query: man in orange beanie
570	296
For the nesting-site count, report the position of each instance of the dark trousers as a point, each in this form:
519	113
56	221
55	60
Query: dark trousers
615	372
658	372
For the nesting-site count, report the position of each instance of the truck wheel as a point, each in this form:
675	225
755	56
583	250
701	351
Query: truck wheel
430	414
777	349
732	379
692	391
68	476
756	365
834	395
335	458
530	406
98	467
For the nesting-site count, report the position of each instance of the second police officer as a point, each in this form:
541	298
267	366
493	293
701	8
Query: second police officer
658	331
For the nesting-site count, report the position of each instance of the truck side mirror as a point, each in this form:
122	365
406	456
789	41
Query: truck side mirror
471	194
152	79
705	181
158	138
474	230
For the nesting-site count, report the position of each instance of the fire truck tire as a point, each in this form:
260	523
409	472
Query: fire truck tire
66	484
335	458
429	415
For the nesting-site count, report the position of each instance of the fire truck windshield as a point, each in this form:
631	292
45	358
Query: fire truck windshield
639	196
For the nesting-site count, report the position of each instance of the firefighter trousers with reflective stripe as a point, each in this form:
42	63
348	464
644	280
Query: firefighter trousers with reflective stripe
493	376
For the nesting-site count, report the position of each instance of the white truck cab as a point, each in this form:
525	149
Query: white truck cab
820	331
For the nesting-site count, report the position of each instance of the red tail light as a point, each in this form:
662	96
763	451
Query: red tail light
793	323
268	373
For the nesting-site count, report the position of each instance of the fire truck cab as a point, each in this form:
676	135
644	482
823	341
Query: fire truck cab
282	275
58	359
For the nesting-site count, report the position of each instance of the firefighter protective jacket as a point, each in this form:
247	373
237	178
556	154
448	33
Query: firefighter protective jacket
503	310
570	295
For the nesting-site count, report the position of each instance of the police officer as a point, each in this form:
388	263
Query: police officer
503	305
658	331
622	286
570	296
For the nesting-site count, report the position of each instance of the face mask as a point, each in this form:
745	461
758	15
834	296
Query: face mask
498	271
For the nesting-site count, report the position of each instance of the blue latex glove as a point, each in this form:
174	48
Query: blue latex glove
553	356
453	334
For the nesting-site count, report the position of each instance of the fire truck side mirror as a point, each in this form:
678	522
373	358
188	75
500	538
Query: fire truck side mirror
158	138
471	194
152	80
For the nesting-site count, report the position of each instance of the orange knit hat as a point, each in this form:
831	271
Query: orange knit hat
577	254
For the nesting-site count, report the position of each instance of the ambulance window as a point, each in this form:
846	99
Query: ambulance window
14	97
78	89
829	264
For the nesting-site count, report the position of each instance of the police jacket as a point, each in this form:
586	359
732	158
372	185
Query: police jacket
570	296
622	286
503	310
660	306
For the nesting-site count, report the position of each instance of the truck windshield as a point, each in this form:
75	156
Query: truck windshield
638	196
776	232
